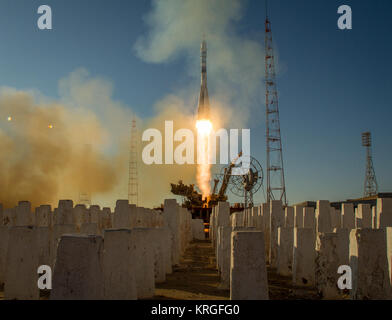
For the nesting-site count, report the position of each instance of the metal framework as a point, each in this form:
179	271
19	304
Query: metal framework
85	198
133	185
276	189
84	195
371	186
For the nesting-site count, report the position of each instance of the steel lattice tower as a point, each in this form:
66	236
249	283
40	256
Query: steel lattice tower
276	189
371	187
84	196
133	186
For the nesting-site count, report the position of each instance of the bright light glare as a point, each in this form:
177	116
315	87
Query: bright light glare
204	126
9	118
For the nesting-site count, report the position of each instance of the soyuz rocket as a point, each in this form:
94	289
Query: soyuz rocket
203	109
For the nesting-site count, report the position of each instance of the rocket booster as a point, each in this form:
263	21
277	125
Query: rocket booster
203	110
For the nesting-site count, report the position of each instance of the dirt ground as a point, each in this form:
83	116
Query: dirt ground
196	278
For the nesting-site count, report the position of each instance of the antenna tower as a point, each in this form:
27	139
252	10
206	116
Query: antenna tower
371	187
276	189
84	195
133	186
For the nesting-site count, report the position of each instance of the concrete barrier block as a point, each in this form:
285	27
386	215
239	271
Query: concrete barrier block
309	218
211	230
323	216
299	216
43	216
43	235
348	216
198	229
24	216
119	262
80	215
218	246
58	231
94	213
284	264
4	234
225	254
105	221
338	218
259	223
9	217
237	219
267	229
22	264
248	274
289	217
167	249
171	214
343	245
78	272
384	212
304	257
328	260
223	214
121	215
64	213
277	221
370	260
90	228
156	238
145	272
334	218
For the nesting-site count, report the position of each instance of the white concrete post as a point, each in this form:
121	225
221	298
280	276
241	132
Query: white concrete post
299	216
267	229
24	216
289	217
4	235
119	265
309	218
43	216
145	270
348	216
384	212
284	263
21	266
198	229
370	260
64	212
78	272
328	260
304	257
277	221
323	216
248	274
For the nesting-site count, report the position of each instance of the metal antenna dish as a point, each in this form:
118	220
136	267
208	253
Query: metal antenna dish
248	184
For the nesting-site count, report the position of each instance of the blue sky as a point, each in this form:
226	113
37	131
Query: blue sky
332	84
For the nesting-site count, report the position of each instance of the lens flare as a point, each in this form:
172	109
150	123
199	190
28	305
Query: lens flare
204	128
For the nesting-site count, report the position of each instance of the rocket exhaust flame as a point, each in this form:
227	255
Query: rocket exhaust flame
204	128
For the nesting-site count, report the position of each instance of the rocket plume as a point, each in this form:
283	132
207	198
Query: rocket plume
204	128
